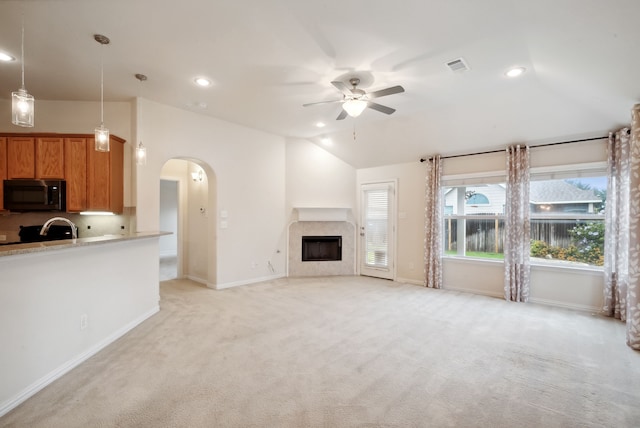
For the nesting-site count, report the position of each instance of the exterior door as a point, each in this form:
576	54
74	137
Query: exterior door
377	230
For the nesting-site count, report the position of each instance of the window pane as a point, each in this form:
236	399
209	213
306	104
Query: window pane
573	240
479	199
584	195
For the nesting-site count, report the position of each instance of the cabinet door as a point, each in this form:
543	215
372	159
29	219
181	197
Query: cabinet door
50	158
75	173
105	177
98	178
116	165
21	157
3	168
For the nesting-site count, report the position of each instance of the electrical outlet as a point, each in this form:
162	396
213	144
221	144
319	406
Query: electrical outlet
3	237
254	265
84	321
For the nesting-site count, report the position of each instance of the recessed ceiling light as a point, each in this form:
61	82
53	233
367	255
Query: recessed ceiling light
515	71
320	125
6	57
201	81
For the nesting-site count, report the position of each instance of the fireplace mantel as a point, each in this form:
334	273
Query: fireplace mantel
322	214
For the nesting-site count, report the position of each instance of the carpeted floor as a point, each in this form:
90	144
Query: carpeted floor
349	352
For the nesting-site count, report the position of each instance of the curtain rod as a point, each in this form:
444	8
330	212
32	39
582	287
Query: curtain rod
533	147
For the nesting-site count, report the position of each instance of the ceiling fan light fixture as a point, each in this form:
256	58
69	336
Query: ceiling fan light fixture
354	107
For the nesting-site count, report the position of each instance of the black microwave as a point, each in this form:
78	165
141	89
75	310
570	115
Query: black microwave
35	195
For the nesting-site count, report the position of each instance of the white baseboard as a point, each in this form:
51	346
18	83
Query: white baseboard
32	389
475	291
584	308
247	282
410	281
199	280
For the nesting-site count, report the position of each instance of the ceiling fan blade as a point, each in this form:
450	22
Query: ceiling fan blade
342	88
321	102
381	108
384	92
342	115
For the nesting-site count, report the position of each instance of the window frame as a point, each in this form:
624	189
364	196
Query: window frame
575	171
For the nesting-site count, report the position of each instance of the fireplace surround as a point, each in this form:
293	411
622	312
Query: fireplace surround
343	229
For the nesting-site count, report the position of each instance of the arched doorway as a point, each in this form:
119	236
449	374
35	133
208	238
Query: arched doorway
187	209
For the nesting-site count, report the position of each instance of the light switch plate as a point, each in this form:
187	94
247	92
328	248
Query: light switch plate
3	237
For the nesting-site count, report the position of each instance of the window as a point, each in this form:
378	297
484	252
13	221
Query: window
567	220
477	199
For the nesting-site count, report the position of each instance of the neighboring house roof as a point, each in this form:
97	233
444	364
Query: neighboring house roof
559	192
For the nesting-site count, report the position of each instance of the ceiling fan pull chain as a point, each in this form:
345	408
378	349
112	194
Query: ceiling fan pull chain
354	130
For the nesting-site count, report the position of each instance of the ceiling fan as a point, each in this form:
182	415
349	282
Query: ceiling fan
355	100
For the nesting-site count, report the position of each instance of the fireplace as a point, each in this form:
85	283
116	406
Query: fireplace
321	248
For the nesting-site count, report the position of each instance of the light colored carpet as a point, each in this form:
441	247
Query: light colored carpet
349	352
168	268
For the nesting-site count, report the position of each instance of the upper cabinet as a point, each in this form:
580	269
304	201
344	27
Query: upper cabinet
40	158
95	180
75	173
50	158
105	177
3	168
21	157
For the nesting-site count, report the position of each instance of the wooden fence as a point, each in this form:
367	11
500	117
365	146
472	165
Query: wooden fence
488	235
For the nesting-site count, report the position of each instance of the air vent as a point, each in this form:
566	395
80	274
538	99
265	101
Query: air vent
457	65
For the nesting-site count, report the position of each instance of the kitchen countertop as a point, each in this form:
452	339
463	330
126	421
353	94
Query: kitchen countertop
38	247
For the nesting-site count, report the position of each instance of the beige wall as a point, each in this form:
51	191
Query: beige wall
245	172
410	221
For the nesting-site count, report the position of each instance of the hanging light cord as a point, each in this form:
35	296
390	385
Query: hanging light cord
102	85
22	48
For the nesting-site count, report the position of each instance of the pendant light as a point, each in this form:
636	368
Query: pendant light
22	103
141	150
102	133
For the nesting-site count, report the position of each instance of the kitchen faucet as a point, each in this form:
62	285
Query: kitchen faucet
47	225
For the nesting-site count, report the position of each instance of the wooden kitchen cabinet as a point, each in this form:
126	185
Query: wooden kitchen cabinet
95	180
40	158
75	173
3	168
49	158
21	157
105	177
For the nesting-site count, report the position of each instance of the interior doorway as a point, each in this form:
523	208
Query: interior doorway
168	244
188	211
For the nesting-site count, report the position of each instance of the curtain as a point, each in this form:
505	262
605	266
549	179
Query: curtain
517	229
622	229
433	224
633	292
616	253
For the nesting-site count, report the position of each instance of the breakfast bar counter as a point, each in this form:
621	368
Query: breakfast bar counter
63	301
37	247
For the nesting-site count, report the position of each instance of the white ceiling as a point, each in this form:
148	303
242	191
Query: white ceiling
268	57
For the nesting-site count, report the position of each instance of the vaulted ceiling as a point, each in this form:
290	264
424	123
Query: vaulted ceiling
266	58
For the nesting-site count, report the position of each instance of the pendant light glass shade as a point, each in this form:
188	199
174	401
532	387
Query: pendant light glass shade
102	139
141	150
141	154
354	107
102	133
22	103
22	108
